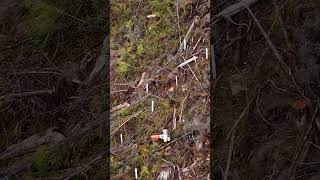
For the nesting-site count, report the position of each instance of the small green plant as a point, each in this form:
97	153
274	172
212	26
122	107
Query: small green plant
40	163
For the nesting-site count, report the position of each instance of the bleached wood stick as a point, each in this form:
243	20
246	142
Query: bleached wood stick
121	139
186	38
207	54
147	88
177	81
136	173
152	106
174	119
188	61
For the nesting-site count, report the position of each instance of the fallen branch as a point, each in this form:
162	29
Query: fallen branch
29	144
187	61
226	174
213	63
182	104
27	94
234	9
101	61
36	72
240	117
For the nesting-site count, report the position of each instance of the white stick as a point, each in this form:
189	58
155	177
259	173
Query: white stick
188	61
174	119
152	104
184	44
121	139
147	88
186	38
136	173
151	16
177	81
207	54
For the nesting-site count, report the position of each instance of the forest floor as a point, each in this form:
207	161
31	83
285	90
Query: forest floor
266	97
147	49
52	95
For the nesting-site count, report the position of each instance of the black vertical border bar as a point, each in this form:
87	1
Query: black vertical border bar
107	67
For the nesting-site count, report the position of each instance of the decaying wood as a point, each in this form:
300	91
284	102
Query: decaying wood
29	144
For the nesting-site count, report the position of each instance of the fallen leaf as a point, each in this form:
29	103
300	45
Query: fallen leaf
299	104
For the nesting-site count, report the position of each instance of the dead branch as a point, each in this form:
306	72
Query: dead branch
27	94
36	72
213	63
226	174
32	142
101	61
182	105
234	9
240	117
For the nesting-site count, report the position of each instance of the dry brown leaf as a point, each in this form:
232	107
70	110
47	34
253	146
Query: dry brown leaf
299	104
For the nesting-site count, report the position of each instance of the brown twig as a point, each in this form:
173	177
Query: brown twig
226	174
240	117
182	105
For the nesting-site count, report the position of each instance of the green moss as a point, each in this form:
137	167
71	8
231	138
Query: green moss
124	112
123	68
40	165
165	107
140	49
144	173
164	7
40	20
